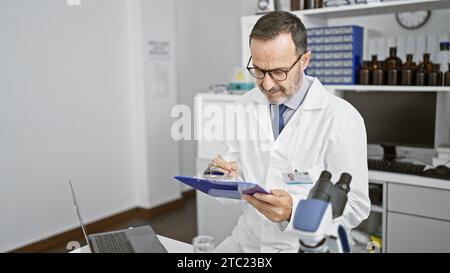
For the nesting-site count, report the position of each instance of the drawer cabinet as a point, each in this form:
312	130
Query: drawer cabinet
408	233
420	201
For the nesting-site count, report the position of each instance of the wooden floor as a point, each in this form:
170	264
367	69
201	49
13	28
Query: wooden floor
179	224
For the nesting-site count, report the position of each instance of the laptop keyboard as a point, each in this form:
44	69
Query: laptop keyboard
114	243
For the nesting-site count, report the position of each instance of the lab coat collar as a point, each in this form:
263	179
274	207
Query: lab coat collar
295	101
316	98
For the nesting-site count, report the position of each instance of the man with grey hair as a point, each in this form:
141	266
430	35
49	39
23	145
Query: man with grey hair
309	130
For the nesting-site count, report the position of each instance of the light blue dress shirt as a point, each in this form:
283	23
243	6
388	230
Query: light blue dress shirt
292	104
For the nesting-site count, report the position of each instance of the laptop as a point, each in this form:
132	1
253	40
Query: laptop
133	240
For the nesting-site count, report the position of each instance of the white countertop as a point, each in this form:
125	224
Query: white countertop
413	180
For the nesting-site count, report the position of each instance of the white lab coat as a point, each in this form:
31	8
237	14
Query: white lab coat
325	133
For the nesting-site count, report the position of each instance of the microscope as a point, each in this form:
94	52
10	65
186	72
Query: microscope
314	217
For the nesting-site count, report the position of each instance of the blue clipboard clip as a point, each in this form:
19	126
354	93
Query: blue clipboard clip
222	188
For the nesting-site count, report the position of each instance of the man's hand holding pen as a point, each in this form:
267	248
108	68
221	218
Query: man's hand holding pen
276	206
230	169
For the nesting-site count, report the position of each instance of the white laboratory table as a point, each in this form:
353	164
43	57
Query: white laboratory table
414	212
172	246
412	180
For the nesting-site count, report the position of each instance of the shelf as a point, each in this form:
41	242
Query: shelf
388	88
218	96
375	8
376	209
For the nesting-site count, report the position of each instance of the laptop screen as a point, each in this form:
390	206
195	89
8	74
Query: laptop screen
79	215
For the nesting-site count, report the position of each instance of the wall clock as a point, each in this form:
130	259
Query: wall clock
412	20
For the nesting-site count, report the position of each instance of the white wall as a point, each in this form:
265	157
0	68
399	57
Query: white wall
209	47
64	114
158	24
74	104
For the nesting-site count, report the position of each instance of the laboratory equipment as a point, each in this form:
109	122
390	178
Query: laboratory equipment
314	219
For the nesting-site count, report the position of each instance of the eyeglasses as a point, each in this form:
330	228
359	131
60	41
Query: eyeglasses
275	74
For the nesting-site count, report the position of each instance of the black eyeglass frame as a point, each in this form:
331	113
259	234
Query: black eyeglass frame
272	70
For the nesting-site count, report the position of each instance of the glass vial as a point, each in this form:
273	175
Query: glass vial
203	244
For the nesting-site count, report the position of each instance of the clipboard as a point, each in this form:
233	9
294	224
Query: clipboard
222	188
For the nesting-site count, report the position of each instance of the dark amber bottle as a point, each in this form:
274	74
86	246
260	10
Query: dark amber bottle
447	77
392	76
378	76
392	66
407	76
374	64
364	74
423	69
440	75
435	77
392	61
318	4
426	65
408	71
421	79
377	71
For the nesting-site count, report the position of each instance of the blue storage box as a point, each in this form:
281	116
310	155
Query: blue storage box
337	54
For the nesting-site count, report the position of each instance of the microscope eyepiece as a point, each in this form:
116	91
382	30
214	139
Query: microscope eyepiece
336	194
323	188
325	175
344	182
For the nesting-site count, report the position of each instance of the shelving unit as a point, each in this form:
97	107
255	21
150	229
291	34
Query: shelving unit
375	224
321	17
374	8
387	88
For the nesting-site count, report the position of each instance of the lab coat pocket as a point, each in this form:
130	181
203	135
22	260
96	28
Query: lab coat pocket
298	189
